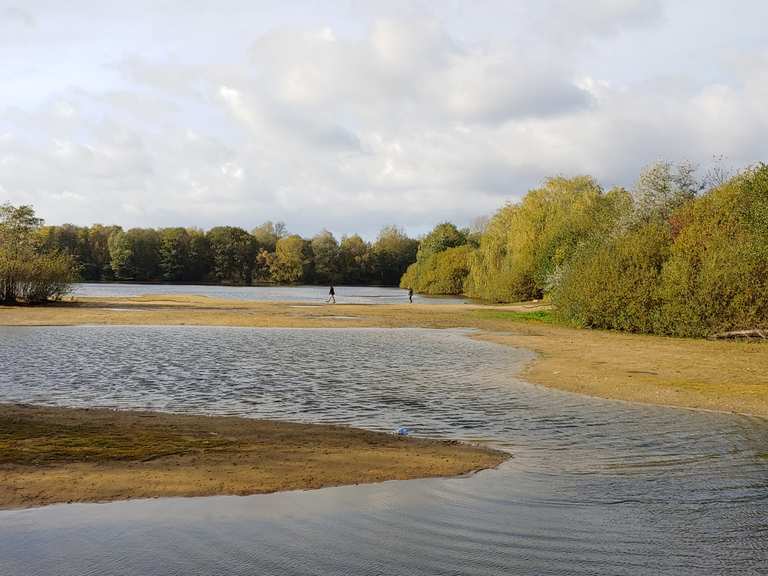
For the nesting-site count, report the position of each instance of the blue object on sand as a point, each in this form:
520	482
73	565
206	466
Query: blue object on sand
402	431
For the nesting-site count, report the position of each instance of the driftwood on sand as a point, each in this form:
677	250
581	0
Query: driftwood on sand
733	334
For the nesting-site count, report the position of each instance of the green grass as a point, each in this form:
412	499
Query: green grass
546	316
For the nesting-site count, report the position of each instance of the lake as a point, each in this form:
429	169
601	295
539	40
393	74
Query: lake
594	486
316	294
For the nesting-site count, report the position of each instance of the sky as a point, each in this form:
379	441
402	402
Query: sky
350	116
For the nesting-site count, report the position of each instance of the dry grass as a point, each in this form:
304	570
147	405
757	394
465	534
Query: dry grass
50	455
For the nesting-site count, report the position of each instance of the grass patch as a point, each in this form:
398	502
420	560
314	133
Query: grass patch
30	441
546	316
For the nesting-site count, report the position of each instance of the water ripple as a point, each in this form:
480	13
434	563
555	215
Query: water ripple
594	487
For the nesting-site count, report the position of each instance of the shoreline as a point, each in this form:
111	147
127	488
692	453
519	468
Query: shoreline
721	376
55	455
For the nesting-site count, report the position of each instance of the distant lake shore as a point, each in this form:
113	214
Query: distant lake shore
353	294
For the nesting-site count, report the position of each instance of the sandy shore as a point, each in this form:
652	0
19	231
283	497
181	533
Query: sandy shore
50	455
714	375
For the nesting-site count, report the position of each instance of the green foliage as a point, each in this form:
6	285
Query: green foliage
228	255
174	254
121	255
546	316
525	246
290	260
392	253
614	284
233	253
716	278
325	251
267	235
442	237
30	271
355	259
692	270
442	262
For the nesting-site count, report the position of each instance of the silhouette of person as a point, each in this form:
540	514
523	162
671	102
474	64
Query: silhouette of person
410	295
331	295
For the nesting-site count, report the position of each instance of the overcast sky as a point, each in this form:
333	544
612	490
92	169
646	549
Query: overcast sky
359	114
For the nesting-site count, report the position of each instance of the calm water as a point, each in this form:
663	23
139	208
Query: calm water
344	294
595	487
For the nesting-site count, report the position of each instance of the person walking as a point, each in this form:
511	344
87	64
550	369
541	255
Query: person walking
410	295
331	296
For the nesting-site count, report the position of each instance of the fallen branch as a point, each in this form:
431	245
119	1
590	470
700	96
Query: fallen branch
756	333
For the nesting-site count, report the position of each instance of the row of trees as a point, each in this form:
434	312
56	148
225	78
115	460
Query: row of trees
231	255
674	255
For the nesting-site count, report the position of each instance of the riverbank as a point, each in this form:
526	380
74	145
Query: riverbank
52	455
713	375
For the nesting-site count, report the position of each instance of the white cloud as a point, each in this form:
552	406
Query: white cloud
402	121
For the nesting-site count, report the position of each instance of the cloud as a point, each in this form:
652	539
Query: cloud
15	15
401	122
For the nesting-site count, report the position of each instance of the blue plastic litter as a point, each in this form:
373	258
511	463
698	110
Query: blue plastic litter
402	431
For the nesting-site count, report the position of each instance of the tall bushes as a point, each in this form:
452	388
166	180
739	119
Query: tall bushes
526	245
696	268
667	257
28	271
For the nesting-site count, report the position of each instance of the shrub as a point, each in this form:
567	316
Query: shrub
716	278
526	246
615	284
440	273
28	273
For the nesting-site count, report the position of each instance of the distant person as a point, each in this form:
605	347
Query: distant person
410	295
331	296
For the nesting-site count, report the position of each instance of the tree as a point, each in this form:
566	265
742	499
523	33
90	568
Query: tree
121	255
355	261
663	187
174	254
200	257
267	234
98	266
526	245
29	271
145	249
234	254
442	237
290	260
325	250
392	252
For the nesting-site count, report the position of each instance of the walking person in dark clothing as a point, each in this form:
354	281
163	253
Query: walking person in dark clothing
331	296
410	295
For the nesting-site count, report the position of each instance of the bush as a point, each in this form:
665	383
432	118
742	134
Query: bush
28	273
527	245
439	273
716	278
615	284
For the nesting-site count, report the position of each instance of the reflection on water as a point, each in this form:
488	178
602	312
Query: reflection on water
595	487
316	294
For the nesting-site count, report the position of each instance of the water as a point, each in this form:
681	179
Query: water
594	487
317	294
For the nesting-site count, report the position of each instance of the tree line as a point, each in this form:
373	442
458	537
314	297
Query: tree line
676	254
230	255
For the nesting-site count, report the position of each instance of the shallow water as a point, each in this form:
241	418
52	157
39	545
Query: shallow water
595	487
316	294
